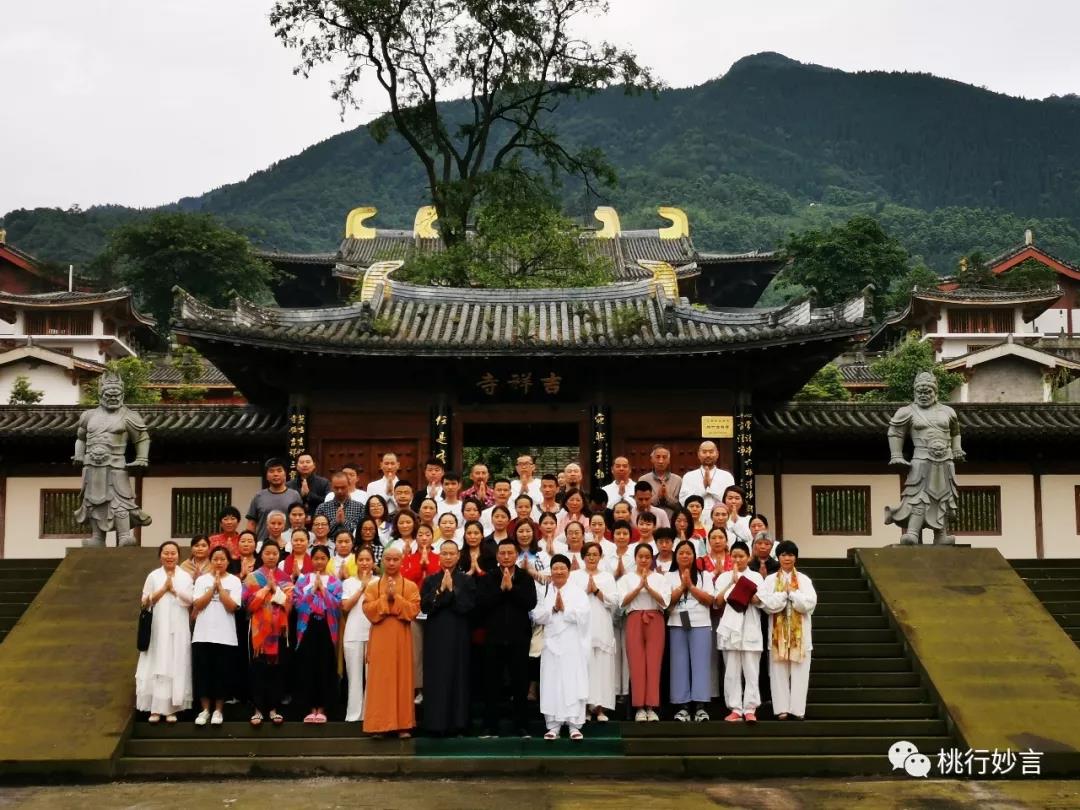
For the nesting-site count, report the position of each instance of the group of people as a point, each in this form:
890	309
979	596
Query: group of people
516	595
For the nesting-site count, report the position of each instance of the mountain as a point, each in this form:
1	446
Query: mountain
773	146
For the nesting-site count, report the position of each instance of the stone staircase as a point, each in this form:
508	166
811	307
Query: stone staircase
864	695
20	582
1056	583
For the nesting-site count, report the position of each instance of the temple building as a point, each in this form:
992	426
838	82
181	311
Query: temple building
373	363
61	340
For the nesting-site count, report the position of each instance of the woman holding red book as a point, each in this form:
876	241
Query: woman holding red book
739	635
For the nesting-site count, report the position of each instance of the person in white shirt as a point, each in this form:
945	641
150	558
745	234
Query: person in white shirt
788	596
565	615
525	482
357	632
451	486
643	495
384	486
501	492
739	637
618	563
664	540
598	530
434	474
549	538
599	586
427	511
690	635
622	488
644	596
549	488
217	595
738	519
708	481
163	674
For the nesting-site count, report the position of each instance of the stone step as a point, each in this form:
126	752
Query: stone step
17	563
330	747
847	609
895	664
877	622
862	596
1028	574
553	766
882	650
1051	562
1053	587
851	636
868	695
15	590
863	679
12	610
25	574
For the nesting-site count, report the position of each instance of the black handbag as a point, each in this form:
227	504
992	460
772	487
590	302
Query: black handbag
146	620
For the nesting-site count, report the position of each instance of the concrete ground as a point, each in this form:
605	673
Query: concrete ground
317	794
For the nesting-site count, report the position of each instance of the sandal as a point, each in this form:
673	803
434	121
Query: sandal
170	718
552	735
320	717
276	718
575	734
404	735
256	719
154	718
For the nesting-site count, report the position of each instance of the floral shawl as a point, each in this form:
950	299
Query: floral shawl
269	621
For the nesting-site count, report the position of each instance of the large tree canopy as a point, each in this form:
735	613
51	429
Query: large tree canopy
193	251
840	261
513	61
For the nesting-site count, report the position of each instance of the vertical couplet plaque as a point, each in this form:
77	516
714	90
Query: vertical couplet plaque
600	440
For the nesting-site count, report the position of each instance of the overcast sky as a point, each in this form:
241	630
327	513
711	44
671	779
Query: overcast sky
141	102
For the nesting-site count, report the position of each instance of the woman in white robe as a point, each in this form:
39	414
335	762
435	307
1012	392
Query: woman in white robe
163	675
599	586
738	635
564	663
354	640
788	596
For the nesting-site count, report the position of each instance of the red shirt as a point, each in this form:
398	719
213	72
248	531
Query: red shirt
230	541
412	570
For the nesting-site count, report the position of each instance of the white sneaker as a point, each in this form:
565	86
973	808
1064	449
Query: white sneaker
652	716
601	717
418	699
641	716
683	716
701	716
202	717
216	719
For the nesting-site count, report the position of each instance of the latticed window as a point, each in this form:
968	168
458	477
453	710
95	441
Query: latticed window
841	510
978	511
58	514
79	322
195	511
981	321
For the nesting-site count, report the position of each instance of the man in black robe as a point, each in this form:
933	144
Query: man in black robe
447	598
506	596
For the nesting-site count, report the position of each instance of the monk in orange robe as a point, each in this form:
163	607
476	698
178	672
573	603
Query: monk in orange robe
390	604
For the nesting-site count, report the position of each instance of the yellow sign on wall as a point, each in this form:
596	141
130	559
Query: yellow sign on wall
717	427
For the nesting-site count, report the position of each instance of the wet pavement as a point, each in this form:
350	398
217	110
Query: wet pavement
328	792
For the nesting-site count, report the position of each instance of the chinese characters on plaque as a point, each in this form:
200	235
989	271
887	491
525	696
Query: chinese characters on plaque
517	386
440	433
600	452
744	455
297	436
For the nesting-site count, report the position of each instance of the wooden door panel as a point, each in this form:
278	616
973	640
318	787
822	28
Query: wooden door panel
367	453
683	454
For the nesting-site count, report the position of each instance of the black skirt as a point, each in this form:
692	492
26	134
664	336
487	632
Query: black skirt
316	666
212	667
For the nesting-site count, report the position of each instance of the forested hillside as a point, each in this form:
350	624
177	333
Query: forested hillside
773	146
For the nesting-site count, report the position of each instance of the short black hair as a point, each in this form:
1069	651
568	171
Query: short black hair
695	499
549	477
275	462
649	517
449	475
664	533
434	462
598	496
500	480
622	524
228	511
642	486
350	465
787	547
401	484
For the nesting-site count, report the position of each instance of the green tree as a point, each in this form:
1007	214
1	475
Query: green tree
23	394
827	385
135	374
900	367
189	363
521	241
515	60
840	261
919	276
193	251
1030	274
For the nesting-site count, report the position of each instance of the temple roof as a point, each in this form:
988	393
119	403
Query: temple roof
165	374
120	298
396	317
815	421
172	422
